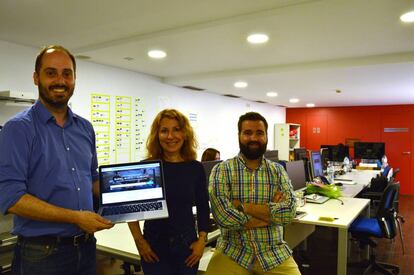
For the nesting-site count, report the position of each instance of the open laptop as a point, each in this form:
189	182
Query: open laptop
132	191
296	172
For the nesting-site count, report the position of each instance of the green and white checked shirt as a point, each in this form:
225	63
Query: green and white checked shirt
232	179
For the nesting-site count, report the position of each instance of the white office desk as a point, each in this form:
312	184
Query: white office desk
118	242
362	178
345	214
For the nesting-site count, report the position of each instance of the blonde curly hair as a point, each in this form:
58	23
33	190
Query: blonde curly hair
188	150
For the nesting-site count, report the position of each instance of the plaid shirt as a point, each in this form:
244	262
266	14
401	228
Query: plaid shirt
232	179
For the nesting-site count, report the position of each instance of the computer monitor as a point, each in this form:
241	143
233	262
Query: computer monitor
369	150
316	164
325	158
337	152
272	155
296	172
299	153
208	166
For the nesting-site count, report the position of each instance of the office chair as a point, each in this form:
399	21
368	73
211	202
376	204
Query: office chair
400	219
374	192
394	173
387	171
375	200
384	225
283	163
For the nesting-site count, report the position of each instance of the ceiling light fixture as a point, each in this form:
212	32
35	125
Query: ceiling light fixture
271	94
310	105
407	17
157	54
240	84
258	38
294	100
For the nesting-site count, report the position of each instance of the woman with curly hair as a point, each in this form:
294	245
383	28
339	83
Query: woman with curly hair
172	245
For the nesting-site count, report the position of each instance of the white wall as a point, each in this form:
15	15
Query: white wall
217	115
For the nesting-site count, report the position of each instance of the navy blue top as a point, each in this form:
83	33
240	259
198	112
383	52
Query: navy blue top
54	164
185	185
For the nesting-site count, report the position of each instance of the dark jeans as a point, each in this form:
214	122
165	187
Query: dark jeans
172	252
35	258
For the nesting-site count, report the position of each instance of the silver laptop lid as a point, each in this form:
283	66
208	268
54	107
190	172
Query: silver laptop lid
296	172
131	182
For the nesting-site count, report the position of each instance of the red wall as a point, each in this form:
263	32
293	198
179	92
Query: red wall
335	124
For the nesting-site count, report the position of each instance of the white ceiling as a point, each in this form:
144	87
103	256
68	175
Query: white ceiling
316	46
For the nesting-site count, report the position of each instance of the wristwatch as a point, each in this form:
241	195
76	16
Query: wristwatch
240	207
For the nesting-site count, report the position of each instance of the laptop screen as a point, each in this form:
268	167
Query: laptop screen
130	182
316	164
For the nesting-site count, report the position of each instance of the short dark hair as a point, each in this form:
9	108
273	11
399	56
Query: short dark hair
251	116
39	57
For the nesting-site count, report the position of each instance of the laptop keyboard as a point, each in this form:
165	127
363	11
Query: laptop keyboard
133	208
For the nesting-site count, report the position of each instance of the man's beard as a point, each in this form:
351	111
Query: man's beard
252	153
45	95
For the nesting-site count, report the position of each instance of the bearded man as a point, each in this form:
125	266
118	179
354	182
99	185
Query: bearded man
251	200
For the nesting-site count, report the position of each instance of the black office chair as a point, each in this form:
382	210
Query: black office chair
387	170
400	219
283	163
384	225
394	174
374	192
393	179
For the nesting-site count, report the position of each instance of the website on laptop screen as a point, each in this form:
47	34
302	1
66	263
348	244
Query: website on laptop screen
131	183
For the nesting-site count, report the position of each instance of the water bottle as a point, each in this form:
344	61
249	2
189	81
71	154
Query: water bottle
331	172
346	164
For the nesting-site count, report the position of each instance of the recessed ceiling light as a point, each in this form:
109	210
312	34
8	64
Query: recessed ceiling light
258	38
157	54
240	84
310	105
407	17
271	94
294	100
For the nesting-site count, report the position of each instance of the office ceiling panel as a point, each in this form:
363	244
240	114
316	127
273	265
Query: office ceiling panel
315	47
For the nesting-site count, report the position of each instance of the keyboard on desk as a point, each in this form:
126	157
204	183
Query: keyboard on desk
133	208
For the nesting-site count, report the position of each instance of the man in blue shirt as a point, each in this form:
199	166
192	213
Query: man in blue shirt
47	174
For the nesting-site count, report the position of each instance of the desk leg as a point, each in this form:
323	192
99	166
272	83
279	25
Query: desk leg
342	251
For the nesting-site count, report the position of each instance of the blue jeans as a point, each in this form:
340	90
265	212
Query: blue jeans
172	252
53	259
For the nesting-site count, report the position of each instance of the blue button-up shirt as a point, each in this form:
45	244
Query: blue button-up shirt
54	164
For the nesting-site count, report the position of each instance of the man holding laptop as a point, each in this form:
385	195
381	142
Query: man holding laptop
47	170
